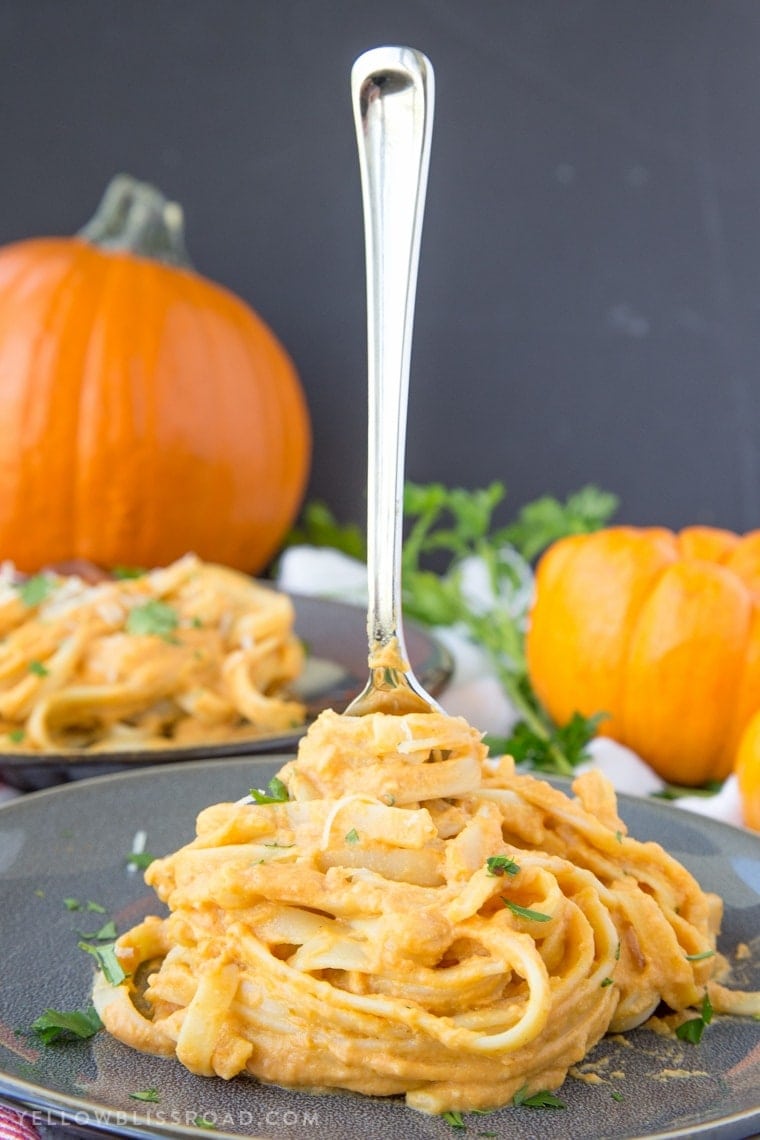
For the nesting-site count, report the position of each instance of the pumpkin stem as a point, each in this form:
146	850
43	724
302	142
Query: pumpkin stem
135	217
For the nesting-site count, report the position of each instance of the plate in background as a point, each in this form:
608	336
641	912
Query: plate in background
72	842
335	635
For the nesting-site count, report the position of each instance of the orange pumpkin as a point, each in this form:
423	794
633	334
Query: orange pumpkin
144	411
658	630
748	772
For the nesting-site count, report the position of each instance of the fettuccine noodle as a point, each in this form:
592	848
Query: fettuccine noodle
416	918
189	653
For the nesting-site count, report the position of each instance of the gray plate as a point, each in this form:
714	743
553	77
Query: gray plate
72	841
335	635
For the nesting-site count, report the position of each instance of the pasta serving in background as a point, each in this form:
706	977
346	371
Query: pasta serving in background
404	915
186	654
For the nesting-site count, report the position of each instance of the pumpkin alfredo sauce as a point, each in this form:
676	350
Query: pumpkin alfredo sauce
401	914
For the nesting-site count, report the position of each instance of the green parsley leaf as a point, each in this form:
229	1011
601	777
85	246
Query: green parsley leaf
203	1122
539	748
16	735
72	904
140	859
35	589
501	865
60	1025
153	618
525	912
94	907
146	1094
545	520
693	1029
616	1095
121	573
38	668
541	1099
319	527
277	793
607	982
107	932
352	836
105	956
454	1119
700	957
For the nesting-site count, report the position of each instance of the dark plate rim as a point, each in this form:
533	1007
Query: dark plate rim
434	674
27	1096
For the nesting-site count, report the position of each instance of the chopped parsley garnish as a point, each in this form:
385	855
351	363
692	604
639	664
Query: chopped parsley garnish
700	957
152	618
276	793
34	590
541	1099
454	1119
693	1029
38	668
106	958
16	735
501	865
121	573
60	1025
146	1094
203	1122
606	982
525	912
75	904
352	836
616	1095
107	932
140	859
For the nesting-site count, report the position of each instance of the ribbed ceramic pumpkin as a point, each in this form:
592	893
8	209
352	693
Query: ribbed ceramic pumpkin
659	630
144	411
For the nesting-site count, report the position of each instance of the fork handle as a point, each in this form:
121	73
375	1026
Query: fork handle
392	93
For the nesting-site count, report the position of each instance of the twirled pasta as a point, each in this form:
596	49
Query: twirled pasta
415	919
189	653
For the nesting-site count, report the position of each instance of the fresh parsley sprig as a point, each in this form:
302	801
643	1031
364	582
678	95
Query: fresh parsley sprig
455	525
446	529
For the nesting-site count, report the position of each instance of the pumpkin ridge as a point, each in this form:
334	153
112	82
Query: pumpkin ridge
289	473
223	415
46	480
99	451
624	681
684	668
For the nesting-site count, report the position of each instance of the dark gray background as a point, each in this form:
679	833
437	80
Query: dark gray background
589	287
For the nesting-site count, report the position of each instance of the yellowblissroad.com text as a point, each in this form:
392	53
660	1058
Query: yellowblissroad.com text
242	1120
